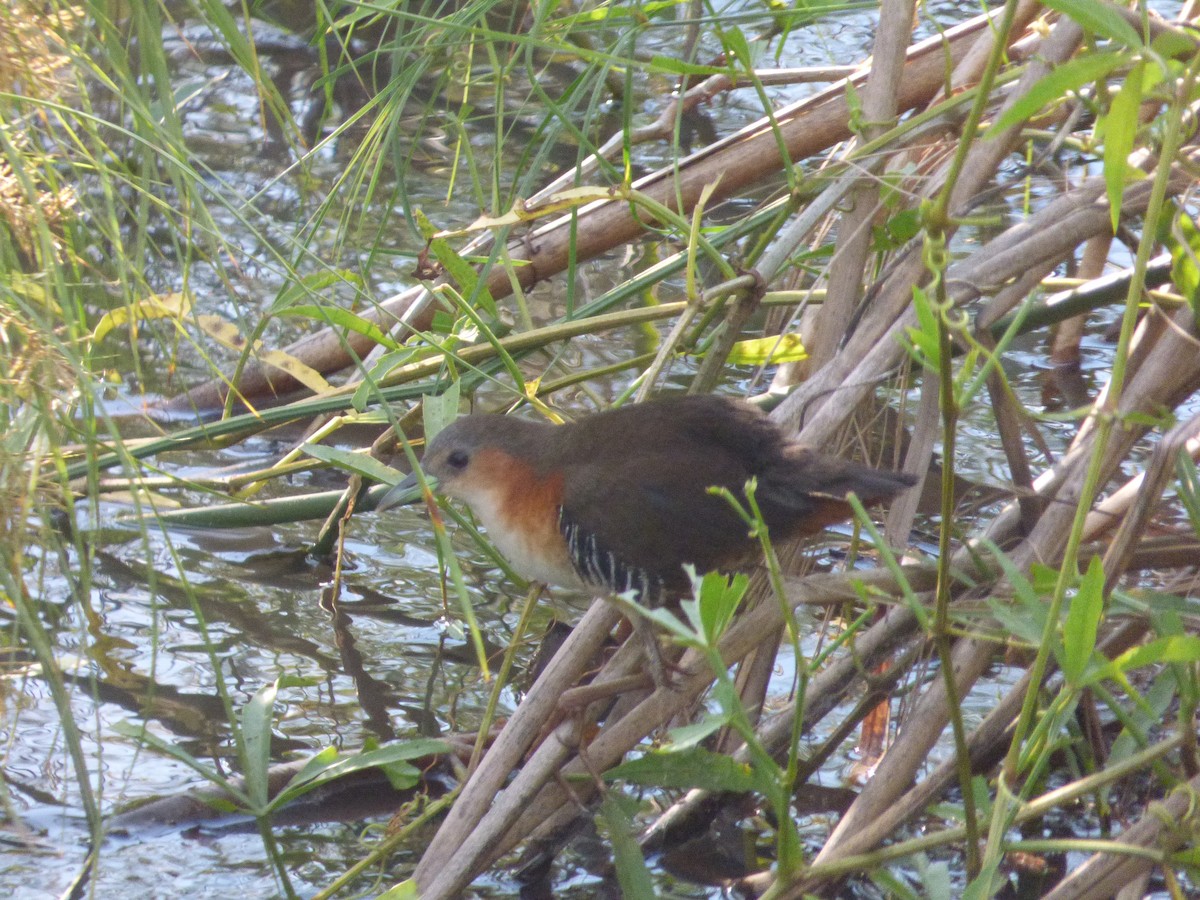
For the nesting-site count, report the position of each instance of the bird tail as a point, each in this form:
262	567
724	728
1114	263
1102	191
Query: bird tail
815	486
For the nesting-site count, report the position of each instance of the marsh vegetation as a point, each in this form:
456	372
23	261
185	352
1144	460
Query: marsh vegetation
250	256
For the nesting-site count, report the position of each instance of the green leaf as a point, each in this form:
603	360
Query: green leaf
1178	648
464	275
725	693
1083	620
985	884
898	230
737	46
257	717
1028	621
405	890
288	300
359	463
1184	241
1017	622
893	885
663	618
1187	857
439	410
393	359
1189	488
694	767
392	758
1043	579
718	599
1055	86
935	877
690	735
1100	18
424	226
633	876
1170	43
1142	717
670	64
320	762
342	318
1120	129
923	340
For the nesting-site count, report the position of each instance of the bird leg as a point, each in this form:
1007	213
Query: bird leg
585	695
661	667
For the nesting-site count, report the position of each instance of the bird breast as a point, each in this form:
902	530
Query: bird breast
520	510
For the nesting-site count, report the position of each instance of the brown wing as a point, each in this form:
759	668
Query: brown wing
660	465
709	423
676	521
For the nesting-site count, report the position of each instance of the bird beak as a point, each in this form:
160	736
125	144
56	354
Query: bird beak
403	492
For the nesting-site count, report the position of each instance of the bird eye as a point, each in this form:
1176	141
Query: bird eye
458	459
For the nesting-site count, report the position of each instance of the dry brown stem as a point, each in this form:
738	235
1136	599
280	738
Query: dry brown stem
845	379
854	229
1166	826
448	854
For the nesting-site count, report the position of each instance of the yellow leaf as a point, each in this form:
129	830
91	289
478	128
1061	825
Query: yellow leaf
163	306
524	211
306	375
223	332
227	335
760	351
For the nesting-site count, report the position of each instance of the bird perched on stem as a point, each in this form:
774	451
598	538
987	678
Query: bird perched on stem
619	501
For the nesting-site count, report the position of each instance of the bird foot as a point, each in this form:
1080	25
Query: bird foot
664	673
